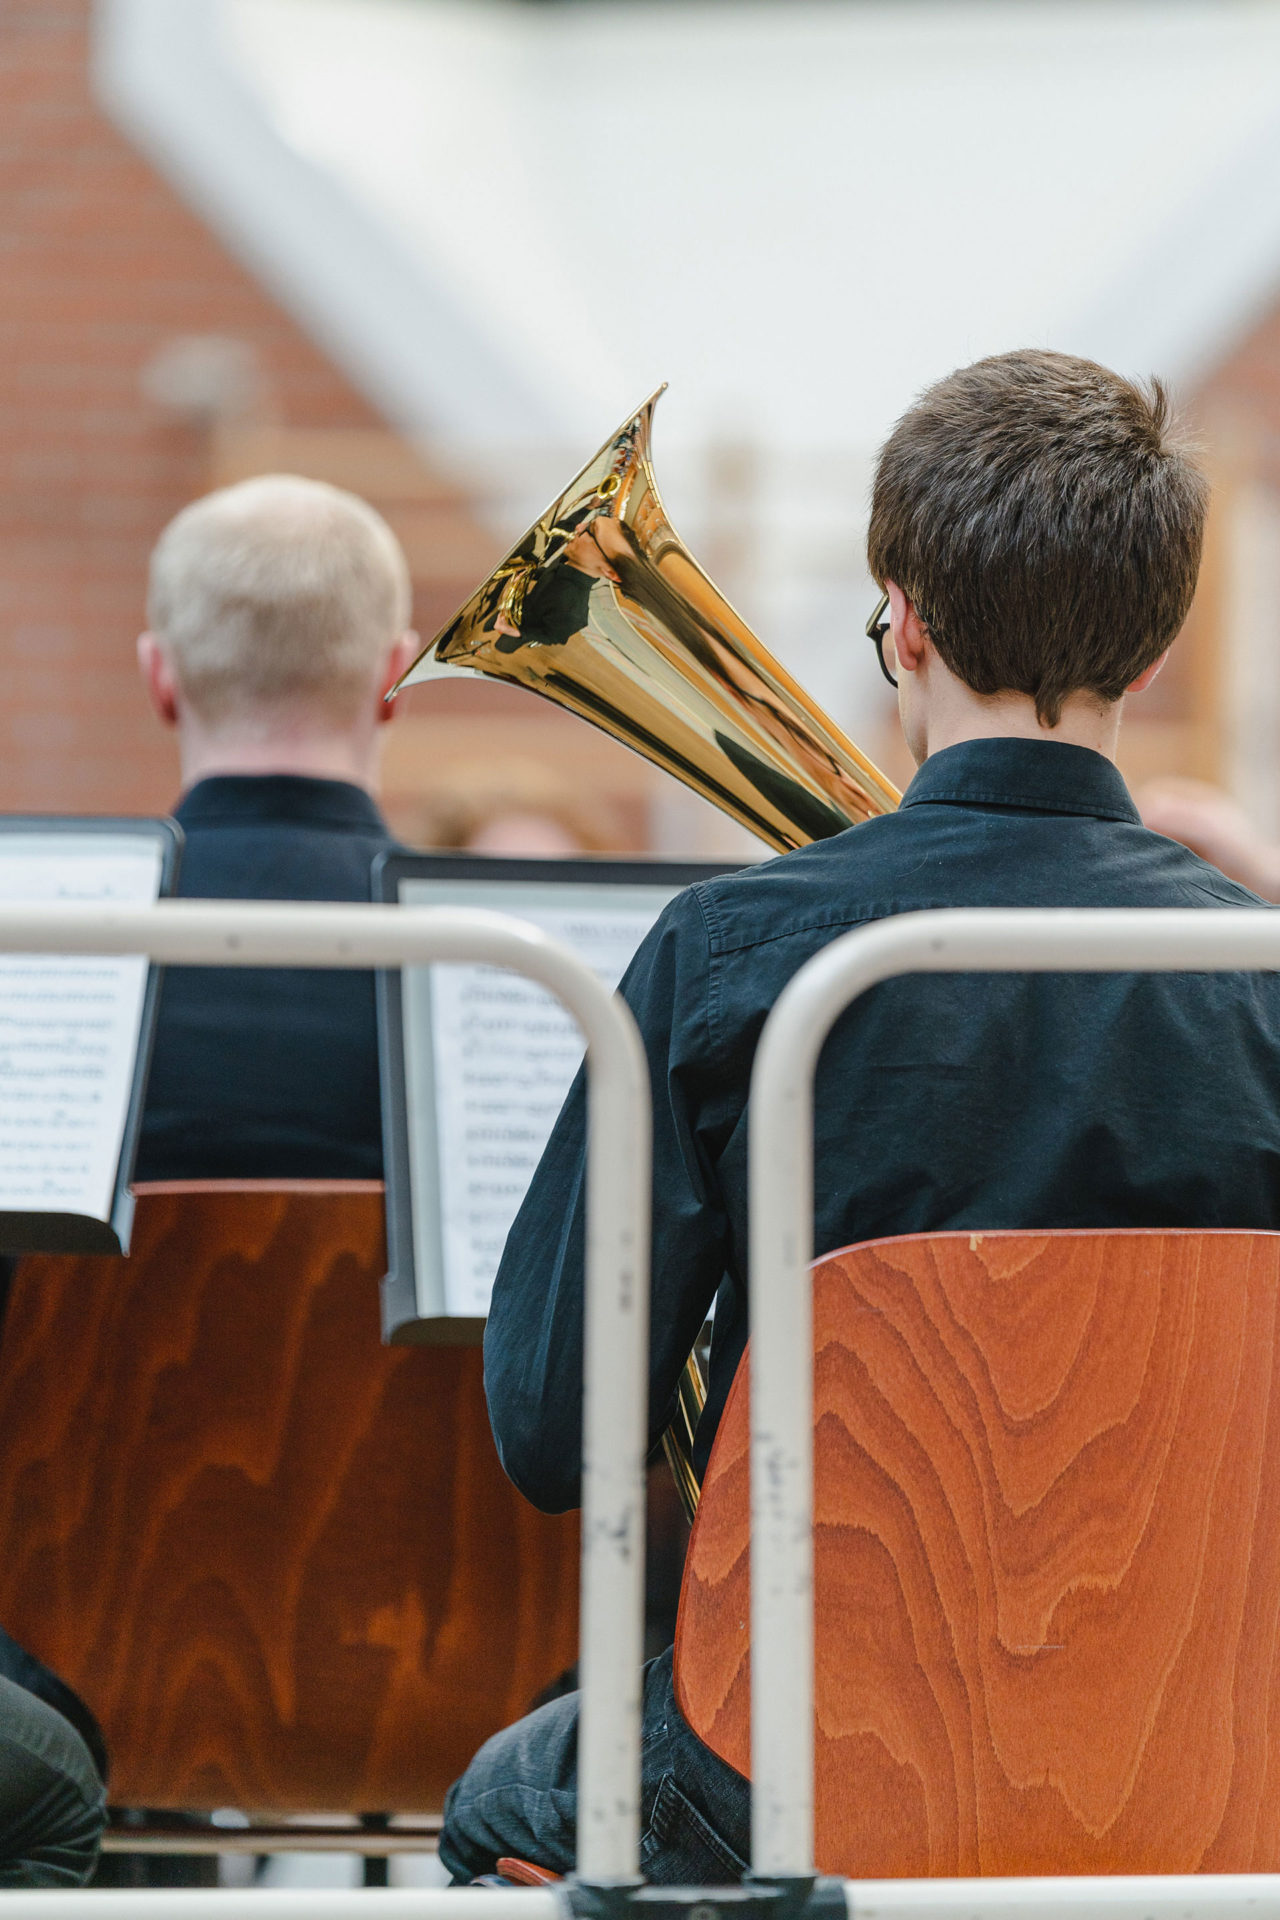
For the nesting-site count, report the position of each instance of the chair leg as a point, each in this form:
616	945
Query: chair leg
376	1865
147	1869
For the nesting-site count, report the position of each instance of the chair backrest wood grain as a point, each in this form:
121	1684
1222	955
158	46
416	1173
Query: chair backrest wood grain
1047	1557
279	1560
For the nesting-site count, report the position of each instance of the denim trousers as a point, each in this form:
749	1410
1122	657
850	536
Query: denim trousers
519	1796
52	1800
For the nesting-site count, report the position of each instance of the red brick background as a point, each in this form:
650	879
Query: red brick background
100	265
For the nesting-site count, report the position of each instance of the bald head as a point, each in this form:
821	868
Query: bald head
278	596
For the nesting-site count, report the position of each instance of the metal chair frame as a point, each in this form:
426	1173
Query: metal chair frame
781	1173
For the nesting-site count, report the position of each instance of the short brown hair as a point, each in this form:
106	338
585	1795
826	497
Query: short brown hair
1045	518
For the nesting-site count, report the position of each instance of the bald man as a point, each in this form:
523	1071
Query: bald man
278	618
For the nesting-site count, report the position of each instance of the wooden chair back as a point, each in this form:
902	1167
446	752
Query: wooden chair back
279	1560
1047	1557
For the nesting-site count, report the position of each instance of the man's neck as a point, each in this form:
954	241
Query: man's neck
315	755
963	715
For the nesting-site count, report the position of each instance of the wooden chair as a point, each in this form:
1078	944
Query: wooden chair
280	1561
1047	1557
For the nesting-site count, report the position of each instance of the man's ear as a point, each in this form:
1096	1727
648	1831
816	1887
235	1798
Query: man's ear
158	678
1144	679
910	635
399	660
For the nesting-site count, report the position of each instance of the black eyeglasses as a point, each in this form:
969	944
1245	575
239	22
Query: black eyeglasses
877	627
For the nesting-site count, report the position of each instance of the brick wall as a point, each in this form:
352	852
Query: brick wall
1245	389
100	266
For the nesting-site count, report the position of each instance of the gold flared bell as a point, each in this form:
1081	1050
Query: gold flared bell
602	608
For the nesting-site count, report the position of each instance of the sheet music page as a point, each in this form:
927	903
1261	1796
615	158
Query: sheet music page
68	1027
506	1053
503	1053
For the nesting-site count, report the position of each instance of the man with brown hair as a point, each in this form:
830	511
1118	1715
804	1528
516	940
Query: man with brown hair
1036	528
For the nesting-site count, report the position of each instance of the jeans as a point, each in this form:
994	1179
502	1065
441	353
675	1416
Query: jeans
52	1798
519	1796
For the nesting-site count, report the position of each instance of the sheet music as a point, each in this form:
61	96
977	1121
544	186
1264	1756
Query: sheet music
490	1057
68	1027
506	1052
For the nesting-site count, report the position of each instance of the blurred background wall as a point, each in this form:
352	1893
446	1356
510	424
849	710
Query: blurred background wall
103	271
434	249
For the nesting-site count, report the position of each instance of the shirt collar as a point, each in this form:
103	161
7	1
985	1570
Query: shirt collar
245	799
1039	776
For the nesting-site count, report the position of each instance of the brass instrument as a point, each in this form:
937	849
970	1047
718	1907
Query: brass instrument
602	609
677	1441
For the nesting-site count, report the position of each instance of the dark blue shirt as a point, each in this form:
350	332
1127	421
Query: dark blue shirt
946	1101
265	1073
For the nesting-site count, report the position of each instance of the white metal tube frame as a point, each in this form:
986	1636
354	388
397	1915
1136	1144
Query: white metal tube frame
1184	1896
781	1169
957	940
312	1903
615	1413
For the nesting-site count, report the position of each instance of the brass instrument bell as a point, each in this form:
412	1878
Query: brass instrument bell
602	609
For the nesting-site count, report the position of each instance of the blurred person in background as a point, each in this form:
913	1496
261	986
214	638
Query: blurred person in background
530	834
278	618
278	614
1216	827
523	808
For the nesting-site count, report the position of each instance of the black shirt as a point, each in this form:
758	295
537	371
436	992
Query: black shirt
946	1101
268	1073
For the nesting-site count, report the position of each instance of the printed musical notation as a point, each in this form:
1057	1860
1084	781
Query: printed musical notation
505	1055
68	1030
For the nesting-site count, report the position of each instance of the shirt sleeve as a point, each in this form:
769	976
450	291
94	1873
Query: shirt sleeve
533	1350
